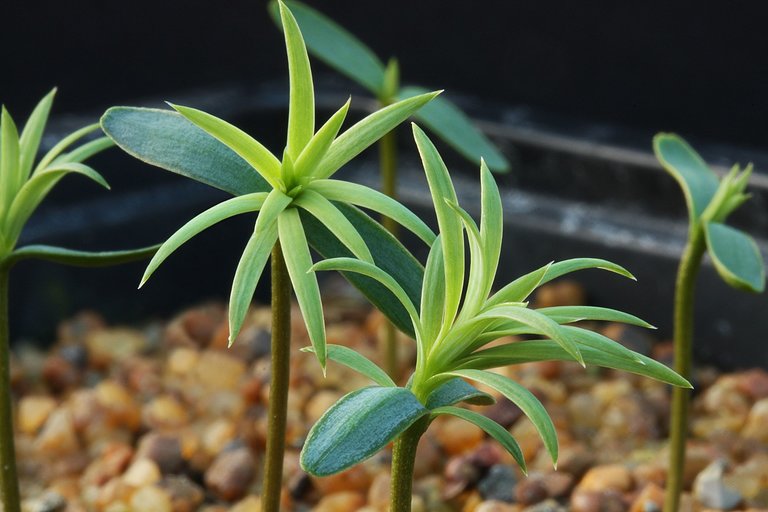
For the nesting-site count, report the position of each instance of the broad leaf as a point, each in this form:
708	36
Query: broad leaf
455	391
299	262
521	397
301	110
79	258
214	215
357	426
697	180
29	142
492	428
359	363
454	127
249	270
335	46
736	257
367	131
366	197
320	142
165	139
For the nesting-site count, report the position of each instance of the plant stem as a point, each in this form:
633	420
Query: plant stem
388	170
683	331
279	382
403	460
9	483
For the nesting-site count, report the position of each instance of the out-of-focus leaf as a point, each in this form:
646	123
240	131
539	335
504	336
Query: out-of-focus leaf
358	362
736	257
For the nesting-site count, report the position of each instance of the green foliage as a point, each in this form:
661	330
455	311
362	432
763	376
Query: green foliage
287	193
454	325
342	51
710	200
23	186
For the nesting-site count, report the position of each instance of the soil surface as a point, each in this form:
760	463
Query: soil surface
166	418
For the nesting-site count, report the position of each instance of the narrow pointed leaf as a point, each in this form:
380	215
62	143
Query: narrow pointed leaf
320	142
736	257
491	224
521	397
433	295
86	151
451	230
570	314
29	142
248	148
564	267
247	275
473	297
324	211
356	361
79	258
366	197
367	131
453	126
357	426
10	177
519	289
214	215
546	350
273	206
595	340
301	111
335	46
61	146
492	428
697	180
167	140
458	390
299	262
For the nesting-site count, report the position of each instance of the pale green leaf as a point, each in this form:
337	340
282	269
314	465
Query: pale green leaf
229	208
248	148
249	270
521	397
564	267
570	314
451	231
301	111
335	46
433	295
366	197
491	224
519	289
736	257
86	151
698	182
273	206
357	426
62	145
492	428
320	142
299	262
10	175
458	390
454	127
367	131
79	258
473	297
29	142
356	361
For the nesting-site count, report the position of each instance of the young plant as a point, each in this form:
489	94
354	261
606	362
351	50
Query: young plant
345	53
23	186
452	329
736	258
298	204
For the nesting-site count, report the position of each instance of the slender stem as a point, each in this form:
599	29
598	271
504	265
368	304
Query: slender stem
403	460
9	482
683	331
279	383
388	166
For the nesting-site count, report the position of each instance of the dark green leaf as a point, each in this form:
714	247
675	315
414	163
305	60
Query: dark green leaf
455	391
357	426
736	257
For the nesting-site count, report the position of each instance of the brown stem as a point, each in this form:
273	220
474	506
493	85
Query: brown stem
279	383
388	169
9	482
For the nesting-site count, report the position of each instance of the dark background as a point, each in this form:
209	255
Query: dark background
697	68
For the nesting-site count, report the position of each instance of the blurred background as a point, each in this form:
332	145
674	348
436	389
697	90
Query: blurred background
571	93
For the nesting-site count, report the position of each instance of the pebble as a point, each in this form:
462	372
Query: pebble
111	462
113	345
33	412
596	501
710	490
756	426
186	496
558	484
141	473
217	435
58	436
607	477
457	436
119	405
650	499
217	370
248	504
549	505
460	473
195	327
151	498
231	474
753	383
499	484
59	374
531	490
560	293
379	491
319	403
504	412
496	506
165	413
355	479
345	501
164	450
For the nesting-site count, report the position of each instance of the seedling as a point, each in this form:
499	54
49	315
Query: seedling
23	186
453	327
279	190
345	53
735	256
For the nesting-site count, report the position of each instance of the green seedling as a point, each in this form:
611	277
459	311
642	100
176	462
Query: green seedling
23	186
453	327
345	53
735	256
293	195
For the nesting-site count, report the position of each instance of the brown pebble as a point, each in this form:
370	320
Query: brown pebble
151	498
602	478
355	479
111	462
319	403
345	501
33	411
58	436
114	345
497	506
560	293
457	436
379	491
164	449
186	496
219	371
121	409
164	412
231	474
248	504
59	374
753	383
195	327
504	412
558	484
141	473
531	490
596	501
757	422
650	499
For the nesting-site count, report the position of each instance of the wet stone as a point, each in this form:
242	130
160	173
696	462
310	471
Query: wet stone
499	484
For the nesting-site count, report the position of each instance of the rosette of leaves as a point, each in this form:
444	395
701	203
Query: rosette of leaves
23	186
299	205
453	327
735	256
